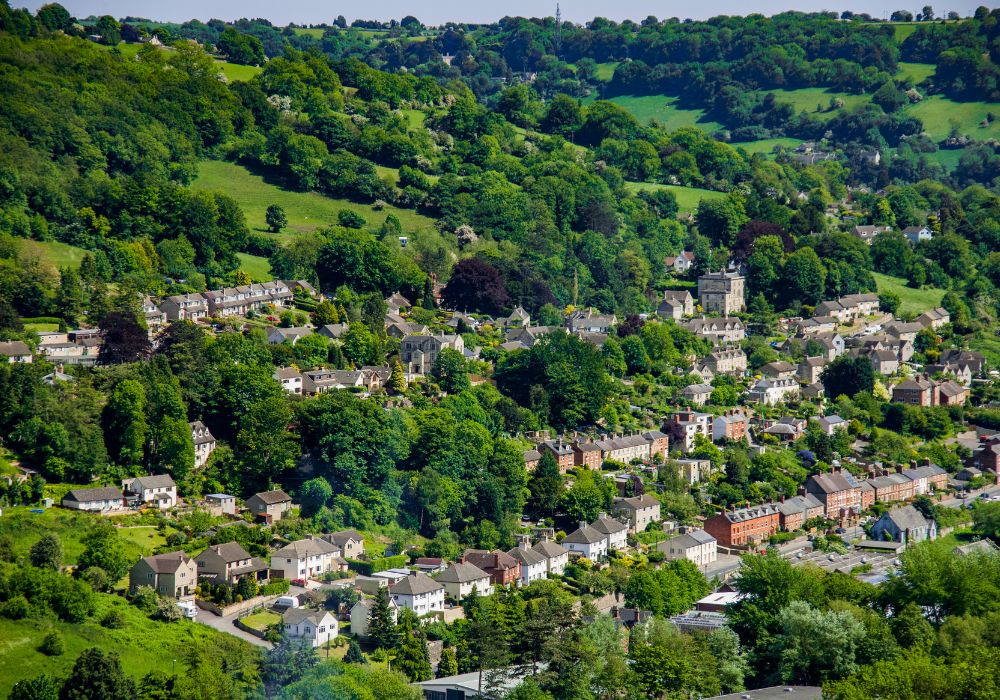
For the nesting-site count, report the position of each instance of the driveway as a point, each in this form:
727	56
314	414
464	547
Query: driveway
225	624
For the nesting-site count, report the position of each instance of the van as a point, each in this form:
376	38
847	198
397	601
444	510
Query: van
189	609
287	601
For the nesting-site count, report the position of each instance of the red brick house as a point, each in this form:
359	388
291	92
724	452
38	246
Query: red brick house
586	454
531	459
839	492
746	526
892	487
659	443
561	451
504	570
919	391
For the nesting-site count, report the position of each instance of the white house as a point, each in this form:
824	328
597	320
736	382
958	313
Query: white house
696	545
915	234
315	626
614	530
362	610
100	498
534	565
204	443
15	351
290	378
159	489
308	558
418	592
460	579
587	542
556	556
772	391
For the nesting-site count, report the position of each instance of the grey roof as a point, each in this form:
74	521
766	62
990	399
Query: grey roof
549	549
462	572
691	538
167	563
695	389
832	482
526	556
608	525
272	497
344	536
308	547
294	616
907	518
14	348
155	481
230	551
636	502
417	583
100	493
585	535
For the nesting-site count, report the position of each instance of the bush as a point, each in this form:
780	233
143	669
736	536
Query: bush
15	609
97	578
275	587
114	619
167	610
145	599
52	644
367	568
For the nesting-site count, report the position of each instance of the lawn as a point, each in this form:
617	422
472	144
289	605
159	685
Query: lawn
415	118
234	71
903	30
766	146
989	345
808	99
938	113
306	211
142	644
53	252
665	111
261	620
913	300
917	72
306	31
687	197
605	71
257	267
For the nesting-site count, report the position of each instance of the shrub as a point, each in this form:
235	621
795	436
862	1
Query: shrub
52	644
97	578
275	587
15	609
114	619
145	599
167	610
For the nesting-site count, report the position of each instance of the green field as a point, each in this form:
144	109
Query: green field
904	29
257	267
665	111
917	72
913	300
142	644
989	345
605	71
766	146
415	117
808	99
306	211
53	252
234	71
938	113
306	31
687	197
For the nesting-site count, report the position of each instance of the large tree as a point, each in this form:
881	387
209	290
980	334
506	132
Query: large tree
475	285
847	376
123	339
97	675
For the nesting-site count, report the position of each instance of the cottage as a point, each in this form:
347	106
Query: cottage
904	525
334	331
676	304
531	459
350	543
317	627
615	531
228	563
679	264
587	542
160	490
867	234
556	556
418	592
916	234
269	505
534	565
778	369
204	443
831	424
15	351
698	394
304	559
590	321
503	569
692	544
462	579
173	574
637	511
100	498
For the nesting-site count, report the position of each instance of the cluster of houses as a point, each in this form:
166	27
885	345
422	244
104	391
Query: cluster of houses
592	452
913	234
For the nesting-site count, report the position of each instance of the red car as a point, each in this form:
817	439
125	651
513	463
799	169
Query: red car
299	582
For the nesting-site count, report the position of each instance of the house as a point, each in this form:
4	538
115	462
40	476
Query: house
173	574
935	318
890	488
225	503
952	394
461	579
534	565
831	424
397	302
745	526
290	379
811	369
779	369
317	627
419	352
676	304
679	264
916	234
158	489
692	544
100	498
727	361
624	448
587	542
276	336
519	318
616	532
590	321
694	470
334	331
304	559
918	391
864	304
794	512
868	233
926	477
731	425
727	329
466	686
418	592
350	543
721	292
772	391
503	569
303	288
903	331
228	563
698	394
817	324
684	426
15	351
185	307
904	525
238	301
637	511
531	459
556	556
586	453
562	451
269	505
786	429
961	373
976	361
401	329
833	309
838	491
204	443
361	612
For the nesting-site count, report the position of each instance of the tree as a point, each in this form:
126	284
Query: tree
124	420
355	656
563	117
590	495
412	657
54	16
721	219
450	371
104	548
448	664
124	340
803	278
847	376
275	218
52	644
817	646
97	675
475	285
38	688
70	297
889	302
397	380
313	495
382	630
545	485
47	553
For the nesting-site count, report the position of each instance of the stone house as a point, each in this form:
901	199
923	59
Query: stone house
637	511
693	544
904	525
721	292
269	506
204	443
173	574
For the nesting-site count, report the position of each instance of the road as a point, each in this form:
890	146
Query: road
225	624
958	501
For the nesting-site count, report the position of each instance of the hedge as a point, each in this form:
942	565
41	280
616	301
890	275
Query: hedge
367	568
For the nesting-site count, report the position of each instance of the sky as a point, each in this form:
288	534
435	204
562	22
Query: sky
440	11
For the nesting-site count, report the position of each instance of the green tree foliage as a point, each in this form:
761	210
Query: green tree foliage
382	629
275	218
590	495
450	371
97	675
47	553
847	376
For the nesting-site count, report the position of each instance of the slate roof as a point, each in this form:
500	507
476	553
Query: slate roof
907	517
527	557
415	584
230	551
156	481
692	538
100	493
550	549
301	549
608	525
167	563
272	497
585	535
462	572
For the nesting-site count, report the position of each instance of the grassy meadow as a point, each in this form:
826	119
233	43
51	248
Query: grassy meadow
53	252
257	267
913	300
306	211
665	111
687	197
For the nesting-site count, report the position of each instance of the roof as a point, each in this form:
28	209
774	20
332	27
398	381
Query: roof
417	583
485	559
286	373
167	563
100	493
636	502
229	551
549	549
695	389
156	481
691	538
344	536
14	348
308	547
751	513
272	497
907	518
585	535
832	482
462	572
526	556
294	616
608	525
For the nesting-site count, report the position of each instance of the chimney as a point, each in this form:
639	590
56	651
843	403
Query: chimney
927	462
899	468
913	464
781	499
583	524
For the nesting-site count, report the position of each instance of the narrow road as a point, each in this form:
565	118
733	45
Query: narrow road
225	624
